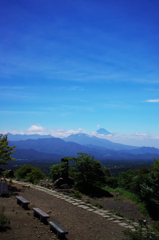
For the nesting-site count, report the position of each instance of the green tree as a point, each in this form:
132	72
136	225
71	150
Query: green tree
56	171
5	150
125	179
86	171
31	173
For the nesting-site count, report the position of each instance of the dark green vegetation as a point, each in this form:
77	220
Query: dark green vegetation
5	150
86	171
4	221
144	182
30	173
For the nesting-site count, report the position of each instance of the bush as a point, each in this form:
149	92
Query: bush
125	179
77	194
57	170
6	174
3	220
112	182
32	174
144	183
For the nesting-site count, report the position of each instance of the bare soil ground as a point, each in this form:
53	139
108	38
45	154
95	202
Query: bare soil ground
81	224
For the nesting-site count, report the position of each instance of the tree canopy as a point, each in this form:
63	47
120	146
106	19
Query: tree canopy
31	173
86	171
5	150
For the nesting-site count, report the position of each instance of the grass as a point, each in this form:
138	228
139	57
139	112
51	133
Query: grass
128	195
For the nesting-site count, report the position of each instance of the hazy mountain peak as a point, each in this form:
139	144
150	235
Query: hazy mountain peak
103	131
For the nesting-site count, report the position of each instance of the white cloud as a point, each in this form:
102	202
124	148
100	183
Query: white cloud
152	100
97	126
35	129
60	133
142	134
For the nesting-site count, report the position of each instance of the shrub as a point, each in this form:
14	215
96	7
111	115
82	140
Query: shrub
125	179
6	174
112	182
57	170
77	194
32	174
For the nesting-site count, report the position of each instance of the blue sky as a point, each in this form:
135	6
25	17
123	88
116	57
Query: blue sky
77	66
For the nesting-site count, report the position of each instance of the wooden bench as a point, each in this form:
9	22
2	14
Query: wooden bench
60	230
43	216
22	201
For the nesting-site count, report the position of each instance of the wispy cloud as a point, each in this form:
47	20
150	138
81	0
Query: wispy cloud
142	134
152	100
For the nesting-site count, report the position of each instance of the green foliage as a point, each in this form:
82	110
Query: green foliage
23	171
77	194
144	182
6	174
3	220
125	179
57	170
86	171
32	174
107	172
5	150
112	182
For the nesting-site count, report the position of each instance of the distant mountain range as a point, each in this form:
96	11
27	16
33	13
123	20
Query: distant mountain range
85	139
18	137
56	148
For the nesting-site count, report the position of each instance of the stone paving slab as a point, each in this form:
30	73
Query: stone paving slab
79	201
84	207
106	216
130	227
95	207
116	221
111	219
90	209
135	224
105	211
75	203
70	201
123	224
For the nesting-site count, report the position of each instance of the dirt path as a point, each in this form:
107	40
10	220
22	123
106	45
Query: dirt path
80	223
